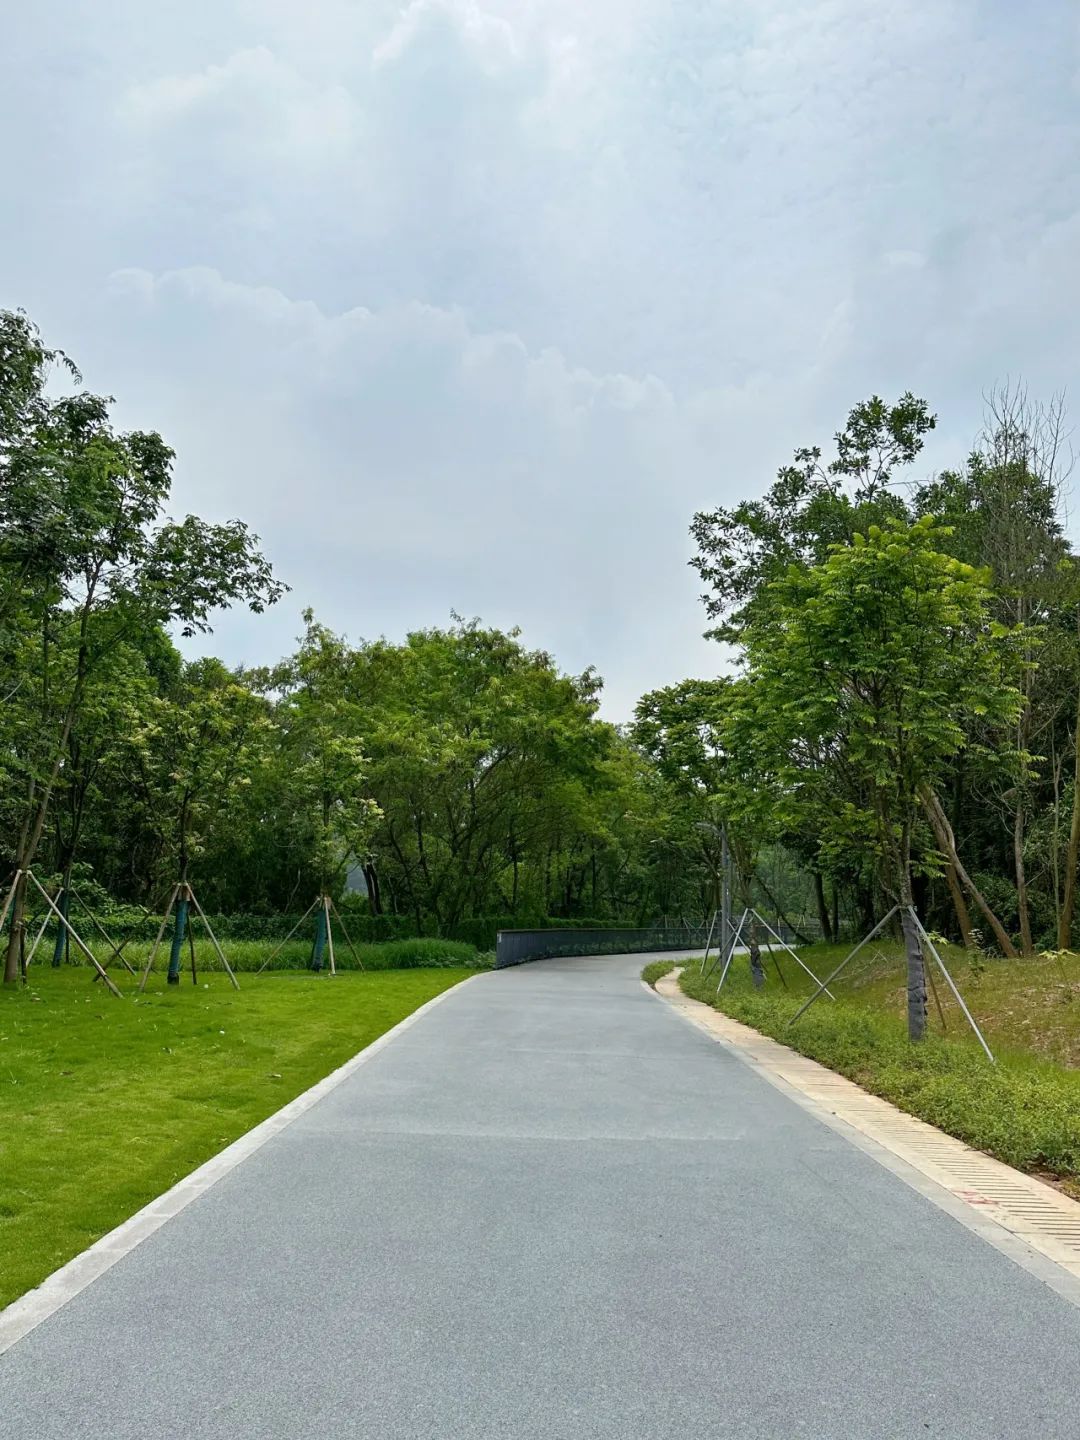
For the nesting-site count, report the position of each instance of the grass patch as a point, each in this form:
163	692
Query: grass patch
656	971
1025	1110
105	1103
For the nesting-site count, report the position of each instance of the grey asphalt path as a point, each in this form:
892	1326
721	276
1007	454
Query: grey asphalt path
552	1209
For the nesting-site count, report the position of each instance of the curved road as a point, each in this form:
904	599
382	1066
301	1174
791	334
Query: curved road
552	1209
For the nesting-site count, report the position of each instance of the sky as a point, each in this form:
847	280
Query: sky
469	305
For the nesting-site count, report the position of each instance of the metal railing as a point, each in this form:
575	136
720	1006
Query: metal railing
517	947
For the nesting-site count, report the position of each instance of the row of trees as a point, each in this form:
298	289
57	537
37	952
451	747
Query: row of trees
459	773
463	775
906	714
904	725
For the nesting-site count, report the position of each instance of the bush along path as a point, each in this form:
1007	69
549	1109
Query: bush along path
1024	1110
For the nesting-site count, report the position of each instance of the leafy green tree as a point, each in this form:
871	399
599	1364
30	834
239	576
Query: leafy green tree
86	559
319	752
810	507
198	748
883	656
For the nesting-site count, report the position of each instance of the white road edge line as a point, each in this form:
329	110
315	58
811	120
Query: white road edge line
1041	1266
28	1312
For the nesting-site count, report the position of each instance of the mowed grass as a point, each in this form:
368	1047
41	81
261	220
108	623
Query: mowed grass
105	1103
1025	1109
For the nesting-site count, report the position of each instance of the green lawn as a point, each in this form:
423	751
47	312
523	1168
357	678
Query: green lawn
1025	1109
105	1103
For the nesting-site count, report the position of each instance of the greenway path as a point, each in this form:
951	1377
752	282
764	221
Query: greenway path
553	1209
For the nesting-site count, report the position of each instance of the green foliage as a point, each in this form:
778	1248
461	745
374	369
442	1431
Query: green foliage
810	507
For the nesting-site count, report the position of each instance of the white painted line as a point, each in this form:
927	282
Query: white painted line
886	1134
26	1313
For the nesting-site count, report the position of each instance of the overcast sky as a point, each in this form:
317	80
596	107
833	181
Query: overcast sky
470	304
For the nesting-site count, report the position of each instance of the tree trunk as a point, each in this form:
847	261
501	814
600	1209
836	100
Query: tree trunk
916	974
1072	859
835	911
947	840
16	925
963	915
822	908
916	962
757	973
63	904
371	880
1027	945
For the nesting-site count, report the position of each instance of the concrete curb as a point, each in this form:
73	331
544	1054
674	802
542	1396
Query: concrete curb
1028	1221
28	1312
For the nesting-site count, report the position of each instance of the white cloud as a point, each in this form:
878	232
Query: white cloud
490	37
474	302
429	446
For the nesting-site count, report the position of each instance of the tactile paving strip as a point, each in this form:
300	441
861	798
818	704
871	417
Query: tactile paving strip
1034	1212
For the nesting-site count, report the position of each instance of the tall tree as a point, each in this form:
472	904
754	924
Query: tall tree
885	653
86	558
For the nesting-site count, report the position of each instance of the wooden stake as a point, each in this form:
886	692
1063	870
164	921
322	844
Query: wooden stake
37	937
329	933
118	952
71	931
157	939
213	939
348	941
289	936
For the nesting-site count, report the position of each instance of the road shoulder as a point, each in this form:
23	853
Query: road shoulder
1026	1220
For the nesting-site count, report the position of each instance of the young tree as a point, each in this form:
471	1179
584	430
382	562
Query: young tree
318	750
198	750
883	655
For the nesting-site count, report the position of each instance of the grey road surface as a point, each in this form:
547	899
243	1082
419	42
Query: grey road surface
553	1210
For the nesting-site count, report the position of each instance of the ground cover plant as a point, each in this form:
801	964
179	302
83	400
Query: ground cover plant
656	970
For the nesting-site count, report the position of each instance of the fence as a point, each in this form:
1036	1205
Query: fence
516	947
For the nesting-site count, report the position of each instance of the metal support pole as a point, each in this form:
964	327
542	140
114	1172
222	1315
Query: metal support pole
40	933
823	984
956	993
705	966
725	893
329	934
348	939
117	952
731	951
780	941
